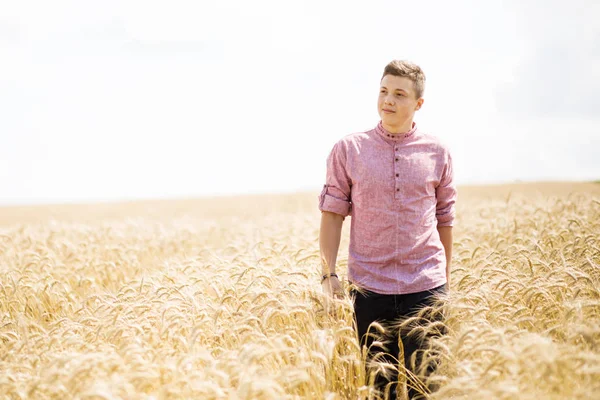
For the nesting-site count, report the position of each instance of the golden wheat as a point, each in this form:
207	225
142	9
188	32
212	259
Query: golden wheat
220	299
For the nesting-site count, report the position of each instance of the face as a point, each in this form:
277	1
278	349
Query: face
397	103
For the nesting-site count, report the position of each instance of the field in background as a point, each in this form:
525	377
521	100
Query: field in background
220	298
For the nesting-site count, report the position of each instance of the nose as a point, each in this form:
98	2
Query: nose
388	100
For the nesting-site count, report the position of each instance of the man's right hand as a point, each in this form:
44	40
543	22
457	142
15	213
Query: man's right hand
333	288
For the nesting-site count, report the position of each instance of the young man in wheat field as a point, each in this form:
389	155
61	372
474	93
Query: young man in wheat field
396	183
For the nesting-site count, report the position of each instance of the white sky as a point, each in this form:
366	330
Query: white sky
119	100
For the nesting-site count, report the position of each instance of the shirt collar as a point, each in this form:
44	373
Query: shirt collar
394	138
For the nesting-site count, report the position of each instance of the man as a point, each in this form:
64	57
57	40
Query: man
396	182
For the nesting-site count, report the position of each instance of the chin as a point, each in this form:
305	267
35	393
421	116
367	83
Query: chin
390	121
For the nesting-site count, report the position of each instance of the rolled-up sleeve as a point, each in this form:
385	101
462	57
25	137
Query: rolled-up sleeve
335	196
446	195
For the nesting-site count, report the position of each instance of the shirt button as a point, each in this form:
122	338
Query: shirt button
397	190
397	174
396	159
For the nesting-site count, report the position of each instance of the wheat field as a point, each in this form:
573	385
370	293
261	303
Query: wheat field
219	298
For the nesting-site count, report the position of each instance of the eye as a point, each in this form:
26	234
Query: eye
399	94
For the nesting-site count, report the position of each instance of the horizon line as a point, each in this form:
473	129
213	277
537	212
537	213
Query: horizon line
189	197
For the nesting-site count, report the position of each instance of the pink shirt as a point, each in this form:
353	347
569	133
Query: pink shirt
397	188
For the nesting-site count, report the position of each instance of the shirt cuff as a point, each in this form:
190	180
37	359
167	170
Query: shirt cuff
445	219
335	205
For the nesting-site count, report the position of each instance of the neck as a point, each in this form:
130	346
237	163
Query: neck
404	127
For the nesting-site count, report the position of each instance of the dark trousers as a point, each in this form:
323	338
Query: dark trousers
388	310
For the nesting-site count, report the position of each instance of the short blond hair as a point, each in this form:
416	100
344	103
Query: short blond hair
409	70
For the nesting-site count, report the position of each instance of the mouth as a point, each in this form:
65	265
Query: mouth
388	111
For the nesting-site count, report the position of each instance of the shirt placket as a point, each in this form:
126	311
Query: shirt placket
397	187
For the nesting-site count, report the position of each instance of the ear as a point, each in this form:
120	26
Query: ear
419	103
